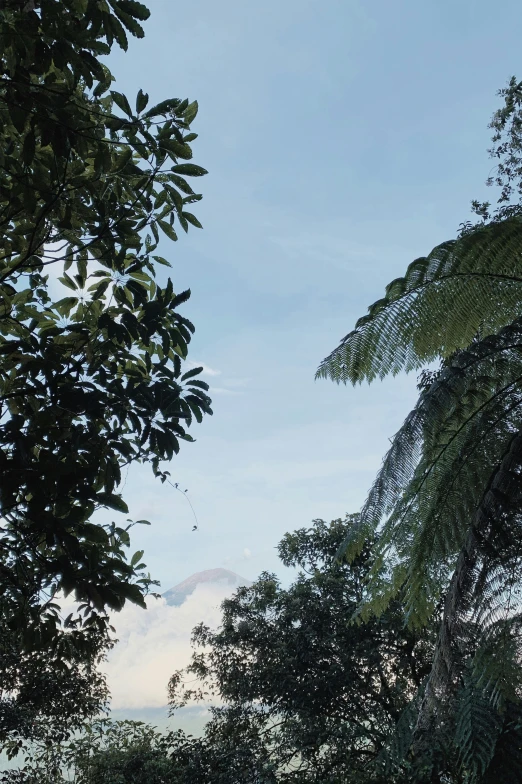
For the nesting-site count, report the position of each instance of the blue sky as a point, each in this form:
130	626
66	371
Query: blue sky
343	139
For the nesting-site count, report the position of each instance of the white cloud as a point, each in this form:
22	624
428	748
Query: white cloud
207	371
223	391
247	553
154	643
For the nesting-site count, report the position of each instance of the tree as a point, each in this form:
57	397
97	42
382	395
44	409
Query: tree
304	694
449	488
93	382
315	695
47	695
129	752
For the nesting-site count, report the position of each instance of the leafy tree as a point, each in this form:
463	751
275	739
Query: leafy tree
304	695
94	381
449	489
128	752
316	695
48	695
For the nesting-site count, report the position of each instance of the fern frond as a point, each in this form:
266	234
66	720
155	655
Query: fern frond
496	664
432	480
397	748
502	495
477	727
506	765
463	287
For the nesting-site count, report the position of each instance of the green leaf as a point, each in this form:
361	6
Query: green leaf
80	6
192	219
165	107
136	558
112	501
167	228
190	112
129	23
119	32
181	183
162	261
122	159
133	593
142	100
134	8
176	197
189	170
177	148
191	373
121	101
183	222
99	289
67	281
199	385
65	305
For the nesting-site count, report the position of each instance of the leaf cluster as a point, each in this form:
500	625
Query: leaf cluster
93	382
292	670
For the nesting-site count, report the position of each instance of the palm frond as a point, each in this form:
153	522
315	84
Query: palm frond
463	287
477	728
498	509
433	477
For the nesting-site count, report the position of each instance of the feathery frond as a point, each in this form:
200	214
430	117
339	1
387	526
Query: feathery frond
464	287
478	726
447	501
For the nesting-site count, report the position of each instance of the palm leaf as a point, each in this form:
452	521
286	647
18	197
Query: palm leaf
463	287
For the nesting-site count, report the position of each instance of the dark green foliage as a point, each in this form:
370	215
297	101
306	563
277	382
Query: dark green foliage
302	694
477	729
46	695
447	500
93	382
321	693
464	286
128	752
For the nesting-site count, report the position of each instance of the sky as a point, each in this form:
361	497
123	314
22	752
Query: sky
343	139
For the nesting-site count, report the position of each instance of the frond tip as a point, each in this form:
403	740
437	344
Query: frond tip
464	287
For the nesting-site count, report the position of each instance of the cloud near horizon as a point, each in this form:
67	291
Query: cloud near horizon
154	643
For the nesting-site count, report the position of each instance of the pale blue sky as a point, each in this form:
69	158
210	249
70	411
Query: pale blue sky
343	139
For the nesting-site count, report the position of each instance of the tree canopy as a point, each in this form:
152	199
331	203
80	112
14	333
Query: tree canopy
317	694
94	381
301	691
302	694
447	499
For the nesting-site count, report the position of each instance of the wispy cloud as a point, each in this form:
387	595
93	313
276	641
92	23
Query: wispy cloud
223	391
207	371
232	561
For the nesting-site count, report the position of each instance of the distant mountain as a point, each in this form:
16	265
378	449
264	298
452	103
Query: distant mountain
177	595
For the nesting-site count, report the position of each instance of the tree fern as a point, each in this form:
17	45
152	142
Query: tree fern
434	474
506	765
464	286
447	500
478	727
